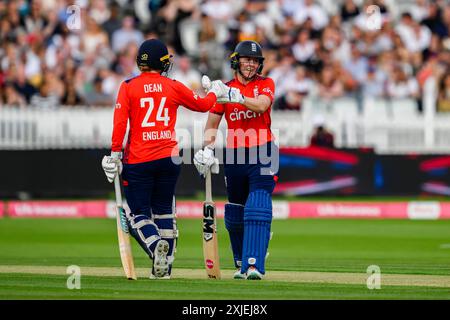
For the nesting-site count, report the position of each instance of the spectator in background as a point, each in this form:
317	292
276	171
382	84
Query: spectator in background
93	37
443	103
34	22
110	81
291	100
113	23
400	86
45	99
289	7
95	97
207	43
99	11
342	47
34	38
21	84
294	88
12	97
349	10
330	87
279	72
315	12
419	10
71	97
207	30
184	9
416	37
435	19
219	10
345	77
374	86
357	65
321	136
55	84
127	34
304	48
429	69
188	76
299	81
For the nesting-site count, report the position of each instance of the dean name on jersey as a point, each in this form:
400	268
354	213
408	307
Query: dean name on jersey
153	87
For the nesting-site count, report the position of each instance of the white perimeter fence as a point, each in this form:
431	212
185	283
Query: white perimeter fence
389	126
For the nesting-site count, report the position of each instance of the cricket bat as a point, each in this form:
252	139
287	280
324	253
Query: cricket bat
123	234
210	247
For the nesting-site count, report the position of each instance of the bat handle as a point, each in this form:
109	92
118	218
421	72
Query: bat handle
118	191
208	188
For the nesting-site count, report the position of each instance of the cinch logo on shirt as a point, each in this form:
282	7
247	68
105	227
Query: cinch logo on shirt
243	115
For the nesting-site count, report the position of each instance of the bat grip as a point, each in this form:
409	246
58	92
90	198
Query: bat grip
208	188
118	191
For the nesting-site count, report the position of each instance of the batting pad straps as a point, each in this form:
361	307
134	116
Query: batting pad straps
163	216
145	232
259	206
168	233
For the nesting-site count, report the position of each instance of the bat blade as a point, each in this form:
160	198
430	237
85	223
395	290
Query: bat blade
210	243
126	255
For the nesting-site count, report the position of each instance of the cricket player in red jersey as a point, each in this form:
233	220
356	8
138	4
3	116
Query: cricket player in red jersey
251	164
151	162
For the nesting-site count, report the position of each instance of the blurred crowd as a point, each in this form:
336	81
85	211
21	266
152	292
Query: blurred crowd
323	48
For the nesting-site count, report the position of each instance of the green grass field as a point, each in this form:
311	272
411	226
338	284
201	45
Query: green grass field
309	259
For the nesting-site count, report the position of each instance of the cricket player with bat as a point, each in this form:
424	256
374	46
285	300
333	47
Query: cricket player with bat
150	164
251	158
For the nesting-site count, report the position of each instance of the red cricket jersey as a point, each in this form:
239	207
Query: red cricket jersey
247	128
150	102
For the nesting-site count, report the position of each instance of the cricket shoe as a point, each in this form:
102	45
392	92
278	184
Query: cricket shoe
239	275
160	262
153	277
254	274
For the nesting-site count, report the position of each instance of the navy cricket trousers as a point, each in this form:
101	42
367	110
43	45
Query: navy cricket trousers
258	171
150	186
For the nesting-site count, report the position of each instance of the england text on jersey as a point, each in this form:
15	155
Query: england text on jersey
156	135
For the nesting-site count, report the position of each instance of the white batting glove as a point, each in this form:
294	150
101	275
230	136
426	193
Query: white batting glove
206	83
234	96
224	93
112	165
217	87
204	160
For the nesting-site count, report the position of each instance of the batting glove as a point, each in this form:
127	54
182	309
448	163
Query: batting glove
112	165
234	96
205	160
217	87
224	93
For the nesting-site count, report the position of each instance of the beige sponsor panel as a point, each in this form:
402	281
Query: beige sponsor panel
424	210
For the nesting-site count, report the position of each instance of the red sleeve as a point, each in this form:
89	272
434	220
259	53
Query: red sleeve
189	99
121	113
219	108
268	88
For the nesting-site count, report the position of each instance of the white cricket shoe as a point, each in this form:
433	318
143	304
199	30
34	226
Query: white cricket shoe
239	275
153	277
254	274
160	262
